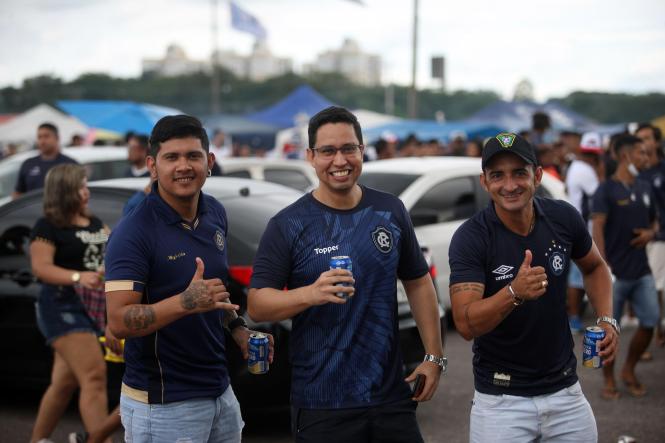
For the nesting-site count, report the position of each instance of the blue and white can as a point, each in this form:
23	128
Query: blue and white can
341	262
259	347
591	347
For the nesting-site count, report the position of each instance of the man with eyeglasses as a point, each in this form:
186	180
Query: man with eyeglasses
347	382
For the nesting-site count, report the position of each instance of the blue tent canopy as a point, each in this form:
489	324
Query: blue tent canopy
516	116
426	130
118	116
304	100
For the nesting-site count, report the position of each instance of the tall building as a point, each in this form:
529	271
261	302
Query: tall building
174	63
259	65
360	67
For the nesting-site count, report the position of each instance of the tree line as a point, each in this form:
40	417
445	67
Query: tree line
191	94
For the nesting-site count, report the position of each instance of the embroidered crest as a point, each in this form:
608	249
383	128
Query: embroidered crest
556	258
383	239
506	139
219	240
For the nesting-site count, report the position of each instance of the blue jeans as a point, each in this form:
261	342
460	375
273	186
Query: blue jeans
199	420
643	297
564	416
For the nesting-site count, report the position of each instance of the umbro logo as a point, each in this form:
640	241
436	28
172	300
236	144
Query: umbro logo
503	272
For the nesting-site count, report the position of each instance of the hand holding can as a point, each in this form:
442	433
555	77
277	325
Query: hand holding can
341	262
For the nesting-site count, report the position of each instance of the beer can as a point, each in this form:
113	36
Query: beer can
341	262
591	347
259	348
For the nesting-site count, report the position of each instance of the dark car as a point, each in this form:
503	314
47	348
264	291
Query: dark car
249	204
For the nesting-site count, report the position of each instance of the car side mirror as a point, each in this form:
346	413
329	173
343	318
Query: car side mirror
422	217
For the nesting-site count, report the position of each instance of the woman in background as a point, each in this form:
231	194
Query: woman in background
67	252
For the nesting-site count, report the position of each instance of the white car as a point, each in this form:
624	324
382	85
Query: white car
440	193
297	174
101	162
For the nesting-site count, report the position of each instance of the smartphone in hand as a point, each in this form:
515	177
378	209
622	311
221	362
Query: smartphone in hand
418	385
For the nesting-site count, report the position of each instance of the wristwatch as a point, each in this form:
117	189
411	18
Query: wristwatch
236	323
76	277
441	361
611	321
516	300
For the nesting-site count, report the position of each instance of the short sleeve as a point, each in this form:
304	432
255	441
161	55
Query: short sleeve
272	264
127	258
582	241
21	186
466	254
43	230
599	203
412	264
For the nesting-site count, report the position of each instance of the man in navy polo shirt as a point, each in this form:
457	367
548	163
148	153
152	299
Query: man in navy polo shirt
624	222
347	383
166	265
33	170
508	292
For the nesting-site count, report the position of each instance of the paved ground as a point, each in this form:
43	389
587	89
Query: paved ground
444	419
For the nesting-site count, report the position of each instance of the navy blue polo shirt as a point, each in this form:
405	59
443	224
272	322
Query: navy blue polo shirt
343	356
531	351
33	171
656	176
153	251
625	208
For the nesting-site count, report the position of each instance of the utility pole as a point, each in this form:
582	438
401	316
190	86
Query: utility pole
412	100
214	74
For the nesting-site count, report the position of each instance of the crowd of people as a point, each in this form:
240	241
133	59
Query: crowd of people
520	272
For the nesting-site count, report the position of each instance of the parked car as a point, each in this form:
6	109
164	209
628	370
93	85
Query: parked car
249	204
297	174
440	193
101	162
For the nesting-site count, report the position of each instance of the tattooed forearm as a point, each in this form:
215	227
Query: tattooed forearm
195	296
476	288
139	317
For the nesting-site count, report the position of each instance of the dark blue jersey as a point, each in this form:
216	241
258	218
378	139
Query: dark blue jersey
656	176
33	171
531	351
626	208
153	251
343	356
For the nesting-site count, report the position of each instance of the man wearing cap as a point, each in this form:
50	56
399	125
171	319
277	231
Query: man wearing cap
584	174
508	292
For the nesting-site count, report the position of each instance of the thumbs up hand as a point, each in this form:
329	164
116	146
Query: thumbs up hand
530	282
205	295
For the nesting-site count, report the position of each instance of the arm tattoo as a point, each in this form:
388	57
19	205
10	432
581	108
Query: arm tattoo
195	296
139	317
468	322
476	288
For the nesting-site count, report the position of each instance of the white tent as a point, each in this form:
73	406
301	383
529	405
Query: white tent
22	129
370	119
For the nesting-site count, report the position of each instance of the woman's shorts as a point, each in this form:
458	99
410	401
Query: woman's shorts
60	312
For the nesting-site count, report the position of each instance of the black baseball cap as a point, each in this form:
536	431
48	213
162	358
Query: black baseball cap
509	142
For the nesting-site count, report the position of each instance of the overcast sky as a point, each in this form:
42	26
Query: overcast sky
560	46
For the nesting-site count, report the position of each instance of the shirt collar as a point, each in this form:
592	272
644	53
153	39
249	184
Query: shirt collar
170	215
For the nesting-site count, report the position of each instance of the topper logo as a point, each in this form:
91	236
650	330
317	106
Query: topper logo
327	250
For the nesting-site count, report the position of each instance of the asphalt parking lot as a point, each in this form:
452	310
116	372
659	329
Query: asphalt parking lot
444	419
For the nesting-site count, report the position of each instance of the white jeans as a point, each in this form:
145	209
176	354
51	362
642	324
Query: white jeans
564	416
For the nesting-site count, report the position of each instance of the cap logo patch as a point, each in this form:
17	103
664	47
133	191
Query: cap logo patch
506	139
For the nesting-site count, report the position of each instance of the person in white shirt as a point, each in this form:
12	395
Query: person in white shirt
582	179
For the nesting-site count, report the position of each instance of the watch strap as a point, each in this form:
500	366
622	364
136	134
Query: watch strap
442	362
612	321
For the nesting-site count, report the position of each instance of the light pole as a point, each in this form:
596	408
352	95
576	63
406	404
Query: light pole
214	74
412	99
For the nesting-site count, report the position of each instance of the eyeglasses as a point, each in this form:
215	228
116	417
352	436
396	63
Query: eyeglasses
331	151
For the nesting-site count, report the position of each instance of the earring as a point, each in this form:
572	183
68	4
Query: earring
209	172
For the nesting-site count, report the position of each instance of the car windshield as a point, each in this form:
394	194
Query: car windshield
394	184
